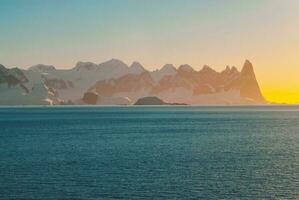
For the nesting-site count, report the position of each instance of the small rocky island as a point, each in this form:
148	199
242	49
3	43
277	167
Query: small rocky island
153	101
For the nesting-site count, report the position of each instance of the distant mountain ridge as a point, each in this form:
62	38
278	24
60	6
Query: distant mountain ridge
114	82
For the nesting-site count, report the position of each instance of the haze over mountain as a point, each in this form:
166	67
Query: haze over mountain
115	83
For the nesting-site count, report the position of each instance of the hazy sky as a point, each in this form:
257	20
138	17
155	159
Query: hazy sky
155	32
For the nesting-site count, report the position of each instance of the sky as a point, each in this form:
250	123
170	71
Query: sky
156	32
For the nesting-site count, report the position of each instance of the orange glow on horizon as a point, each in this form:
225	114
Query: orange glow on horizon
284	96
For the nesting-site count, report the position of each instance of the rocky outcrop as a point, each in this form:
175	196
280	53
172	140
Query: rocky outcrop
247	84
150	101
154	101
90	98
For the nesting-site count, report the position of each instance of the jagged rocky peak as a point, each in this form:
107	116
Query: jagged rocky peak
15	74
168	68
230	70
186	68
42	68
114	63
247	68
2	67
227	70
3	73
85	66
234	70
248	84
136	67
207	70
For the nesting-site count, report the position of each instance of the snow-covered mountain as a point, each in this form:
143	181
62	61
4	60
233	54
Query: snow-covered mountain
114	82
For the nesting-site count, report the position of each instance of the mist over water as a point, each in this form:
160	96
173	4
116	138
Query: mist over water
170	152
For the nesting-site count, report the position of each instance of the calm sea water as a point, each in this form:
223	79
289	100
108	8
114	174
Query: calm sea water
149	153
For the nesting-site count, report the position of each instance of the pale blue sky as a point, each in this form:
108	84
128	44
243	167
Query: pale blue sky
154	32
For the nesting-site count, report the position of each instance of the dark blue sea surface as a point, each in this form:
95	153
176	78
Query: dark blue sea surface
175	152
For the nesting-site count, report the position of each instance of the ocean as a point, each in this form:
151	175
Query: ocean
162	152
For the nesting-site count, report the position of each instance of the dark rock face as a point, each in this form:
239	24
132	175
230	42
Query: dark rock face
90	98
150	101
13	77
85	66
42	68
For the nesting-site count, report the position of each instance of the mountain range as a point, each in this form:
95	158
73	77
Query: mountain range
115	83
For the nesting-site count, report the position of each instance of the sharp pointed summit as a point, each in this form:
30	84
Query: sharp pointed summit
207	69
136	68
168	68
248	84
247	68
136	64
